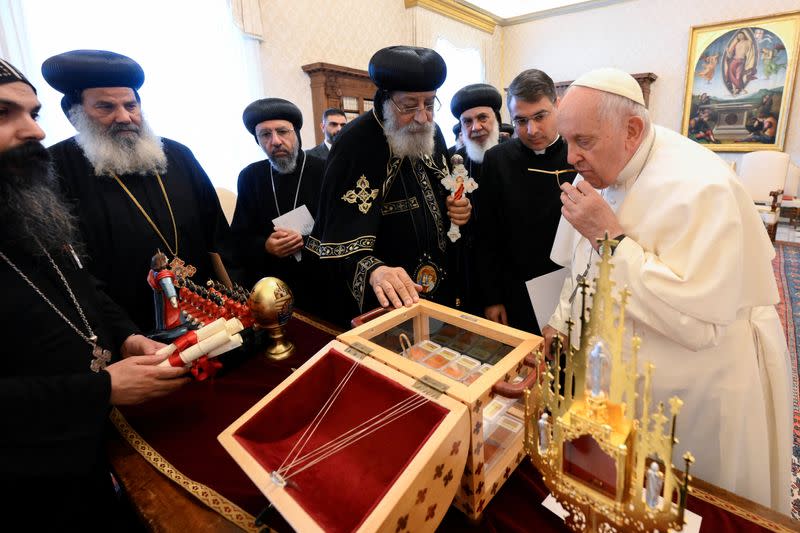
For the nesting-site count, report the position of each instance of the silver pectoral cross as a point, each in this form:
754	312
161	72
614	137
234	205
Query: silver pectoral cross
100	358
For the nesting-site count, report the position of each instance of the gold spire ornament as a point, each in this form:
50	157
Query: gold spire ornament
610	470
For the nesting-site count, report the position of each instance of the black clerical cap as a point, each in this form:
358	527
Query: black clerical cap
407	68
506	128
10	74
475	95
72	72
271	109
457	129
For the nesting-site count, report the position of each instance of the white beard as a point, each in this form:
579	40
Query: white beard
412	140
141	154
475	151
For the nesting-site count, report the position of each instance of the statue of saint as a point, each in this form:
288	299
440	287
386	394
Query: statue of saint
653	484
598	370
171	322
458	183
544	433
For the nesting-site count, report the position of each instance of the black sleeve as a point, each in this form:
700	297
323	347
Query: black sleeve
115	318
76	405
249	232
216	231
488	242
346	232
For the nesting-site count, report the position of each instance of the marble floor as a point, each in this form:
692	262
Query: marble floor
787	233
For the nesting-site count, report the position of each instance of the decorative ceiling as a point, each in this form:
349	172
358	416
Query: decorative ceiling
486	14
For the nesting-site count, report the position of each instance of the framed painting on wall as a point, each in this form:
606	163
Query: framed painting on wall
739	81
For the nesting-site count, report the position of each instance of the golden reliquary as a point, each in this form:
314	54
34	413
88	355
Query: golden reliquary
608	468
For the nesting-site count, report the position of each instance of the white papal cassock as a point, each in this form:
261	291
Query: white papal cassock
697	261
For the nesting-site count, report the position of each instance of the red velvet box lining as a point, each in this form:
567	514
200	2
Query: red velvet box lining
586	461
342	490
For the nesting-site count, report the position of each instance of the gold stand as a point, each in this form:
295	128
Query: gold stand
279	346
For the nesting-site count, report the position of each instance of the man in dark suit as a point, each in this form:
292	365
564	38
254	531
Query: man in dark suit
333	120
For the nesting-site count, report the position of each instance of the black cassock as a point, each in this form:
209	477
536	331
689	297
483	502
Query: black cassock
120	241
379	209
53	407
252	225
520	210
464	263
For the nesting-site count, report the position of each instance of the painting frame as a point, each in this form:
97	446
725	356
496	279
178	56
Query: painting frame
740	77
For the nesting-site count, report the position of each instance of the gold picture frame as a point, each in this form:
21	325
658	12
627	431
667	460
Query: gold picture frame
739	82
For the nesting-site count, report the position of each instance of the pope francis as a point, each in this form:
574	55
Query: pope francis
696	258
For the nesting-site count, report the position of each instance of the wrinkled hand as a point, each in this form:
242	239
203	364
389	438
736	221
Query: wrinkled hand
585	209
459	210
549	333
139	345
137	378
283	242
496	313
393	285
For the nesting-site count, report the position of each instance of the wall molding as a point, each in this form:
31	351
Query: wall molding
457	11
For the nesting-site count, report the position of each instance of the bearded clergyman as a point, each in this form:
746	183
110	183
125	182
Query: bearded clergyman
284	182
477	108
134	192
62	342
383	211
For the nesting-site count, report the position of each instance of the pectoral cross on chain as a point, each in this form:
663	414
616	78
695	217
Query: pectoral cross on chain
101	357
579	279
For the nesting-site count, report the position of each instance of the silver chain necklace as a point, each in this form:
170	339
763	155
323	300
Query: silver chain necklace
296	192
100	356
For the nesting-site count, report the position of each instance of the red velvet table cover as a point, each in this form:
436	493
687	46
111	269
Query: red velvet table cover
178	435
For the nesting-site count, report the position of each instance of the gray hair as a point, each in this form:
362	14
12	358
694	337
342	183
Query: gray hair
531	85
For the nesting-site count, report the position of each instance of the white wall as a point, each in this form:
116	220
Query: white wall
347	33
635	36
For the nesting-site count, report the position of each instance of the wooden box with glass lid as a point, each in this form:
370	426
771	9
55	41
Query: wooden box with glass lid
410	404
348	89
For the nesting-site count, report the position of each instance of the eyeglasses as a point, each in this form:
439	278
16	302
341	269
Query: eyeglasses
428	108
282	133
522	122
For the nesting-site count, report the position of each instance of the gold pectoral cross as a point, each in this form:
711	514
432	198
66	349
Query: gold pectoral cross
556	173
363	197
181	269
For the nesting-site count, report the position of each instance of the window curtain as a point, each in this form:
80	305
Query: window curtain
201	70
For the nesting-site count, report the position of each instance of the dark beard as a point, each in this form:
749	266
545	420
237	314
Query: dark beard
31	208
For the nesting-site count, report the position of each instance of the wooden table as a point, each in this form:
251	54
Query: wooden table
169	501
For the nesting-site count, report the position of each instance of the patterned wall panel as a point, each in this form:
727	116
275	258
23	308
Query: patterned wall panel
636	36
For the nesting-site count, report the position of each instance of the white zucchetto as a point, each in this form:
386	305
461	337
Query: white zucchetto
614	81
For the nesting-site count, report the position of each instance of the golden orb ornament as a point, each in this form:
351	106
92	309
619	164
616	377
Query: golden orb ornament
271	304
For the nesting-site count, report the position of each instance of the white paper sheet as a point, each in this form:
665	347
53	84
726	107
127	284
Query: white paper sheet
544	292
299	220
692	520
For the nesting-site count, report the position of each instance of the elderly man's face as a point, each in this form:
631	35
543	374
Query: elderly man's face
115	109
332	125
421	103
277	138
535	122
598	149
19	108
477	123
